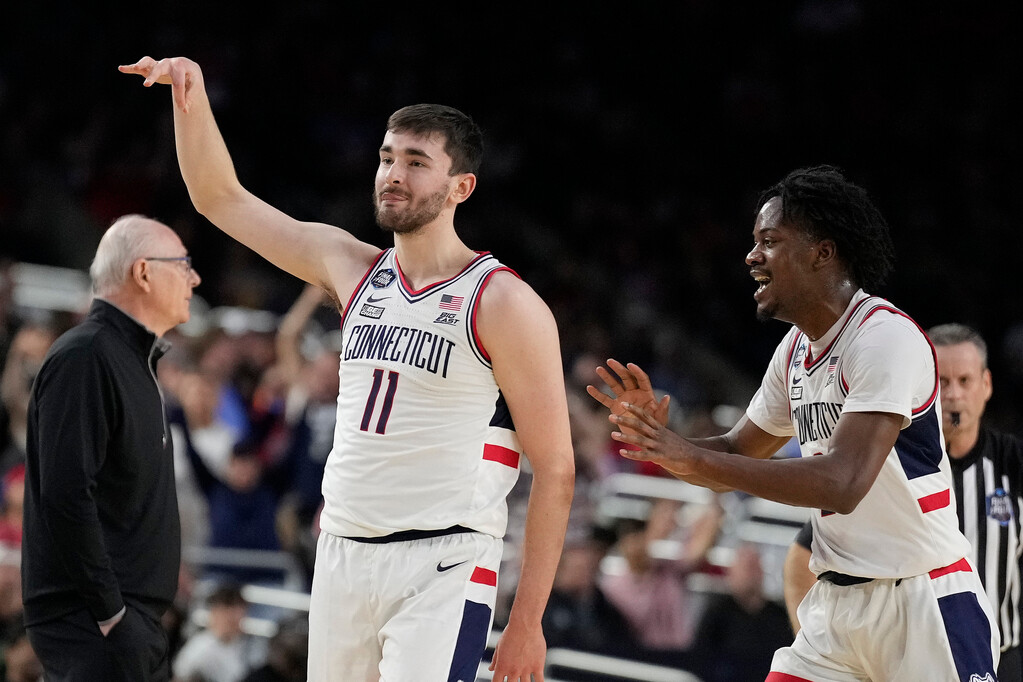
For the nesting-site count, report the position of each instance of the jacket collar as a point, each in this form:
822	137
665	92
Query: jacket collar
133	331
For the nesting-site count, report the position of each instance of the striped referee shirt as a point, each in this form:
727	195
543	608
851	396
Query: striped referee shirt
988	483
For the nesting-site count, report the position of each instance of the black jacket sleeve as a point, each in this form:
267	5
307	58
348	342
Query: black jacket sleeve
77	403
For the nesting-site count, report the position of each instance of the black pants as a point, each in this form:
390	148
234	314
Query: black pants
1009	666
72	649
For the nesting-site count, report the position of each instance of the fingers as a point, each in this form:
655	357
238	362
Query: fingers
628	379
601	397
636	416
612	381
141	67
174	71
641	378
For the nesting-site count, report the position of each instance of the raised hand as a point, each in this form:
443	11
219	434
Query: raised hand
182	74
629	384
647	439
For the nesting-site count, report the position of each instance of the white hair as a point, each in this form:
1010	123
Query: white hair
126	240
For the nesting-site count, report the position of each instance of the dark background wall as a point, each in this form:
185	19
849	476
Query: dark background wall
626	146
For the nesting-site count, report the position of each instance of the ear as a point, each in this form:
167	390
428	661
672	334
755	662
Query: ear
825	252
141	275
463	188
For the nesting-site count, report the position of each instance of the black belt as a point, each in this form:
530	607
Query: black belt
843	580
406	535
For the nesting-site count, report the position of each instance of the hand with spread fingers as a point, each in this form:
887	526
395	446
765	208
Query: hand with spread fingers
650	439
629	384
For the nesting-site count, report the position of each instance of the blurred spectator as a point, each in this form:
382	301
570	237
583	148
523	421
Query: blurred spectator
287	654
12	504
10	591
739	631
175	618
191	413
24	357
579	616
652	592
19	662
242	506
219	359
8	320
222	652
307	365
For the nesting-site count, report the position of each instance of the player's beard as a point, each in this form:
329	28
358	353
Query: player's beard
413	217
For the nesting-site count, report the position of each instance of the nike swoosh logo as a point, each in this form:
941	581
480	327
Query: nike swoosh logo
797	380
378	298
441	568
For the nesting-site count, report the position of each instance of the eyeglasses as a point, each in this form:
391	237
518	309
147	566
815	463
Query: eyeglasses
186	260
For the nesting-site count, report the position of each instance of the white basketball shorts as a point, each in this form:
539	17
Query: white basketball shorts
931	627
397	611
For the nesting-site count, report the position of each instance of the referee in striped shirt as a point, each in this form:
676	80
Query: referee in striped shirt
987	474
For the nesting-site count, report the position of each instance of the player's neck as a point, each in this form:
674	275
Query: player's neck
827	310
432	254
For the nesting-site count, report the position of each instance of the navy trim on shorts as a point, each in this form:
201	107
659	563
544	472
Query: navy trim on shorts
406	535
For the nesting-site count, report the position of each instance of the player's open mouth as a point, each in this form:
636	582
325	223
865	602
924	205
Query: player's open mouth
762	279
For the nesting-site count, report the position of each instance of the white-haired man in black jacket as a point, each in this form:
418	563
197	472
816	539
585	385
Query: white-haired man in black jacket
101	548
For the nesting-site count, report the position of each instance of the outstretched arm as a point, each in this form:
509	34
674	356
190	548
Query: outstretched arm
836	480
521	336
628	385
314	252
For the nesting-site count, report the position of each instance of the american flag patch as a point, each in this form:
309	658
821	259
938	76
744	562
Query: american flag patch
831	363
449	302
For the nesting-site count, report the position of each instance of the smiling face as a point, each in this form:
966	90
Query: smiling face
413	186
781	262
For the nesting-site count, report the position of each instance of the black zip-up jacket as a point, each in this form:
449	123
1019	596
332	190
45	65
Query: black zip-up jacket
101	525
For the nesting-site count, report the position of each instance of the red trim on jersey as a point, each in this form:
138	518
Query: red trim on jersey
484	576
961	565
358	287
775	676
935	501
414	292
501	455
934	394
476	304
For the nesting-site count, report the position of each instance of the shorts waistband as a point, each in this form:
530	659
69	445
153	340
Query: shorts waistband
843	580
406	535
836	578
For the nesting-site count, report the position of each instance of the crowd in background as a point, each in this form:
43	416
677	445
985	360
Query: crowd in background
628	213
251	400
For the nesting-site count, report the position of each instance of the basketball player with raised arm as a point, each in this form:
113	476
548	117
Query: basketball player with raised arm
856	382
450	372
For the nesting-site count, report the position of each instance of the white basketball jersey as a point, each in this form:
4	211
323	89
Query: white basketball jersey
424	440
874	359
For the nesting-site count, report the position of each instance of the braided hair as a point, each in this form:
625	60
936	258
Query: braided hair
821	202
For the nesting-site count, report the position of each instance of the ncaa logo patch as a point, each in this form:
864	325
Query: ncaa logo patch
999	507
383	278
800	352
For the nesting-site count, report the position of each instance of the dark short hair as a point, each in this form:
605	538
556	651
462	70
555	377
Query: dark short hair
228	594
953	333
821	202
463	138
